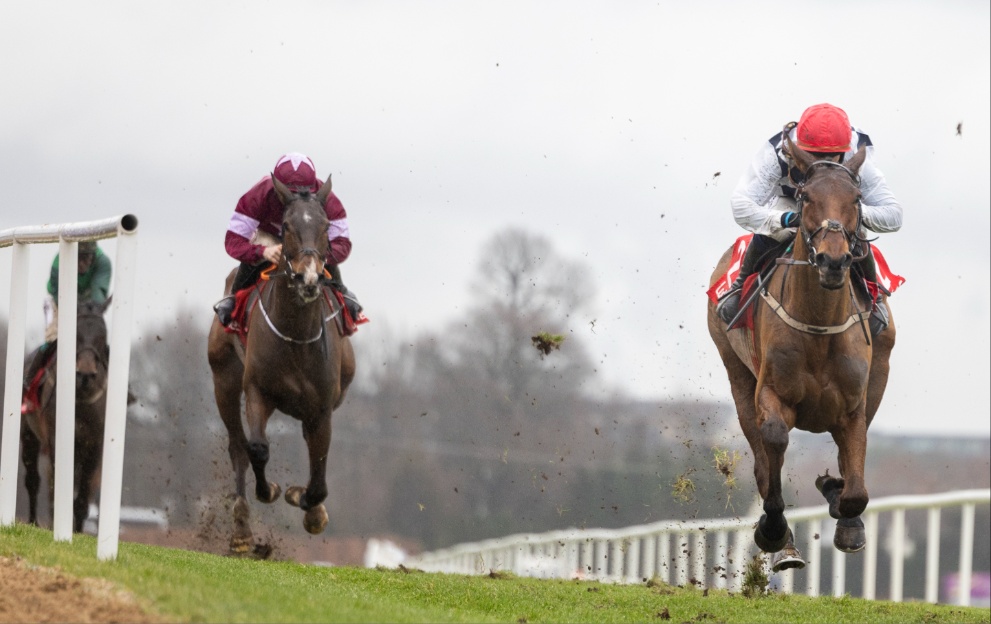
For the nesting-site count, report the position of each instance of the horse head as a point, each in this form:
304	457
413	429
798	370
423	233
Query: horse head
304	238
92	351
829	206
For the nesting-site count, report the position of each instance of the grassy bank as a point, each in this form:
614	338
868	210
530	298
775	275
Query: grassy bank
192	586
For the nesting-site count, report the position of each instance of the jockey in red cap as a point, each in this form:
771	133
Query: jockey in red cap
259	213
763	201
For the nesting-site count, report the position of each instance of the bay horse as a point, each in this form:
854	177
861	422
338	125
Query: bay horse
809	361
294	361
38	434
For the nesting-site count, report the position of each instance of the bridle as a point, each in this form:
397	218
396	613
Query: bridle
829	226
297	278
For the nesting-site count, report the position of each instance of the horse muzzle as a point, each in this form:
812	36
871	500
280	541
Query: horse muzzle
833	270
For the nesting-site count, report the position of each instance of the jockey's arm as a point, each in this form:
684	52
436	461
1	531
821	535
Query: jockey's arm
881	211
756	205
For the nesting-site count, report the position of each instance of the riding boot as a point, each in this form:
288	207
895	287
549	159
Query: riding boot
247	274
350	299
729	303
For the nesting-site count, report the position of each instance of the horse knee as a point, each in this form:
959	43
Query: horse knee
775	435
258	452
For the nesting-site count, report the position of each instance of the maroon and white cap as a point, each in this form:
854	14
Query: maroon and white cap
295	170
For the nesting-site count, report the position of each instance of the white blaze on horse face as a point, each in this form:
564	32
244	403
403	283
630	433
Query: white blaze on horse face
312	276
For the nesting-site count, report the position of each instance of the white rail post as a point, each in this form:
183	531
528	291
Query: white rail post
13	383
966	553
932	556
65	390
870	556
116	419
839	573
897	554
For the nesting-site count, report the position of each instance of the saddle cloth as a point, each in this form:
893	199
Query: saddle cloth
886	277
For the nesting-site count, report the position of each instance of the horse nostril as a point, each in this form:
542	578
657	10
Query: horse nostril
847	260
820	259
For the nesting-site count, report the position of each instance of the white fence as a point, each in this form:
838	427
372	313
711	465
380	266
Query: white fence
714	553
68	236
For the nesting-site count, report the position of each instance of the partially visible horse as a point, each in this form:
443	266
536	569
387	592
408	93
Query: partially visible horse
809	361
295	361
38	436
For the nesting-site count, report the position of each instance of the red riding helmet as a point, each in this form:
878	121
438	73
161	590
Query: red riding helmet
823	128
295	171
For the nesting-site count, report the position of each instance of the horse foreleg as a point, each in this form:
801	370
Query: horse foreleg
851	441
772	531
258	411
316	433
30	448
847	496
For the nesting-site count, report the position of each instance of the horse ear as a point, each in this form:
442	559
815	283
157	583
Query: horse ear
855	163
106	304
802	158
285	195
324	192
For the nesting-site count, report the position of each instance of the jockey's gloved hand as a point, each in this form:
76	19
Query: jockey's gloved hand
789	219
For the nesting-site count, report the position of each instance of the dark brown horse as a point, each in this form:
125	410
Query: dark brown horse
38	434
295	361
809	362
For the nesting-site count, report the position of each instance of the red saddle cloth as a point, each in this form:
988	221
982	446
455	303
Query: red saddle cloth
31	400
247	299
886	278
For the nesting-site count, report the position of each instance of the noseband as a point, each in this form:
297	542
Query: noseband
306	251
830	225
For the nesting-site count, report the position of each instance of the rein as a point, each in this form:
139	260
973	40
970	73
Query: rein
275	330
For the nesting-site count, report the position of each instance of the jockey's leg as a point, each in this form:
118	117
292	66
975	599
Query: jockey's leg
38	359
247	275
729	305
350	299
879	314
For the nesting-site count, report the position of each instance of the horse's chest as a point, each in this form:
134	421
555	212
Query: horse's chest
821	384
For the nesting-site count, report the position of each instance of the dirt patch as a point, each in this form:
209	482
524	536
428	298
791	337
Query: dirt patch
36	594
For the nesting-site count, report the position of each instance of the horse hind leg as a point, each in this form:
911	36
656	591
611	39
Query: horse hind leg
788	557
30	449
241	538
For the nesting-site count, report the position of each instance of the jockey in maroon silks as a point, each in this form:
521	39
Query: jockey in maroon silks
260	210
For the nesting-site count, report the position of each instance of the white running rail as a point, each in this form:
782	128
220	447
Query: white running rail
68	236
714	553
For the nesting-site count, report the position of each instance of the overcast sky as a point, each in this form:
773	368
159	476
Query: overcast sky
600	125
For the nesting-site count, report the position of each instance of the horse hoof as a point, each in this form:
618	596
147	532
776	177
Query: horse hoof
274	490
315	520
850	536
768	544
240	545
787	559
294	494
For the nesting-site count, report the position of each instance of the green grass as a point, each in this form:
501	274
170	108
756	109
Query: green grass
192	586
